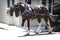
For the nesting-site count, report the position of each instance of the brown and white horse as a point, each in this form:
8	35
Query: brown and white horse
28	12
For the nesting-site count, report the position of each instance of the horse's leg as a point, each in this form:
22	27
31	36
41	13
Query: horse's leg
23	20
28	24
47	20
49	26
11	14
38	30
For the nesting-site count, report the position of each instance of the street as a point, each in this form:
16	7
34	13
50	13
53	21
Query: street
8	32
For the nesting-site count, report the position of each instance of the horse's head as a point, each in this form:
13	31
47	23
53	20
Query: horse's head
24	7
21	6
16	10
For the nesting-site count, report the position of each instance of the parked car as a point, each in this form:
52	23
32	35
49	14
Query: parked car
56	8
56	11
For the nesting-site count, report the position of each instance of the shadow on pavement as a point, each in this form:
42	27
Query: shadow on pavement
37	34
3	28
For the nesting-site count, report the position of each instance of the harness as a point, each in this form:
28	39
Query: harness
27	9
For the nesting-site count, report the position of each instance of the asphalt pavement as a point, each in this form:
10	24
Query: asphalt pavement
9	32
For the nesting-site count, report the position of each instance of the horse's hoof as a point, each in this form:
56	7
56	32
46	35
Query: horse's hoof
37	33
50	33
25	31
25	28
26	34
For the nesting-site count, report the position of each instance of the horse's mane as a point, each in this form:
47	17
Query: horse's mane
23	3
35	5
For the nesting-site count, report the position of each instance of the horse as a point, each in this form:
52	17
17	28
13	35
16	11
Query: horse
28	12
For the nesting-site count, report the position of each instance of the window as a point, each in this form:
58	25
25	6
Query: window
44	2
10	3
51	2
28	1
